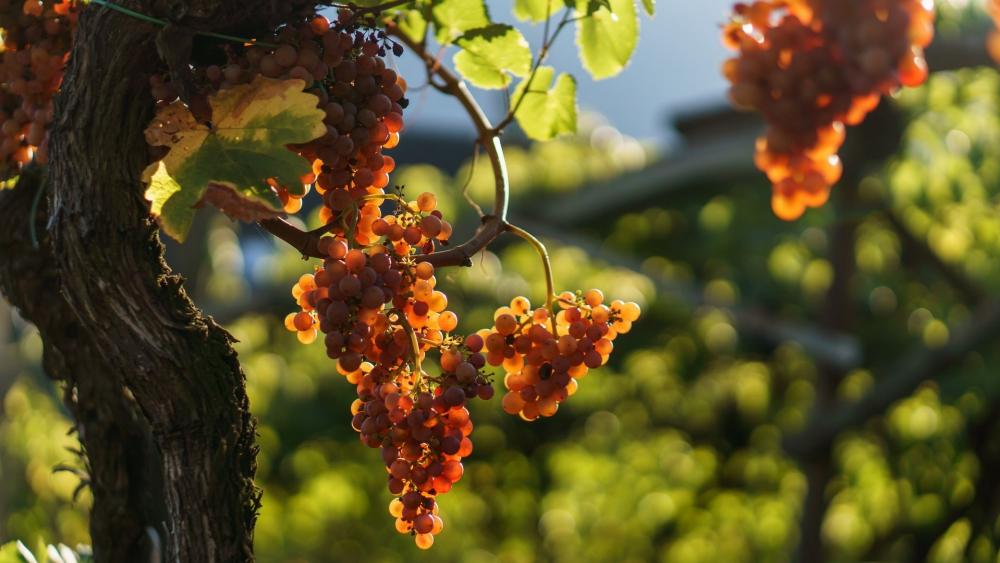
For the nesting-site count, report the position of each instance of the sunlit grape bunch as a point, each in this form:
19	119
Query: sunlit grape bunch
380	312
993	40
544	355
813	66
342	63
375	300
37	35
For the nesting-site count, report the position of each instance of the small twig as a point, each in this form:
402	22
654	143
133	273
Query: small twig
377	197
414	341
468	181
543	253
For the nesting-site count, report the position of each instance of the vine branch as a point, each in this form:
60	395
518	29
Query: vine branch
546	265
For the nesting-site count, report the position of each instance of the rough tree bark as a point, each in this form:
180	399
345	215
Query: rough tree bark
155	386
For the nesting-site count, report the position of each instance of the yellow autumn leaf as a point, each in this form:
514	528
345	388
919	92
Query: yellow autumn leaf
244	146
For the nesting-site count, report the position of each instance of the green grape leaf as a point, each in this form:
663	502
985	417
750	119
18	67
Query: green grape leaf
536	10
649	6
607	38
548	109
491	54
229	163
412	23
452	18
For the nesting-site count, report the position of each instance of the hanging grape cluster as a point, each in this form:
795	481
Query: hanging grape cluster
381	314
36	38
374	300
544	355
813	66
993	40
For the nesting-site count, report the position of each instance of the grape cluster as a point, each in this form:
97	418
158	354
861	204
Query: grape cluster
37	35
381	313
416	226
812	66
544	356
342	64
375	299
424	436
993	40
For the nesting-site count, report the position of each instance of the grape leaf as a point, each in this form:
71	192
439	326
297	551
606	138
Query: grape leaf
607	38
649	6
237	154
491	54
547	112
452	18
536	10
413	24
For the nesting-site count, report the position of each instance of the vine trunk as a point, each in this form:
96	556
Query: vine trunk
154	385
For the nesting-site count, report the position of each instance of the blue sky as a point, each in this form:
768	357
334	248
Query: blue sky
676	66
